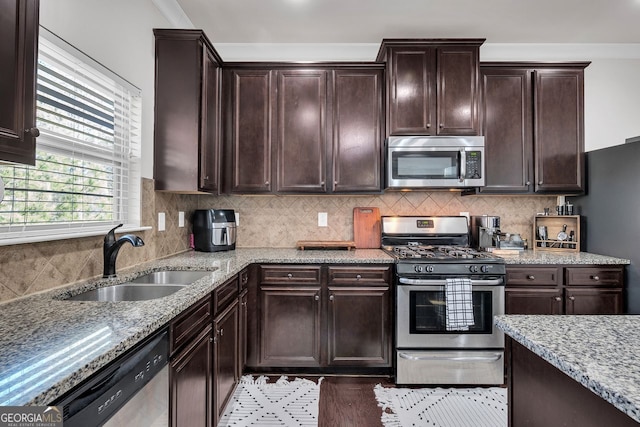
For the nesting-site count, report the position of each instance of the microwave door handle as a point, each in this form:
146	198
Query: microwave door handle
463	165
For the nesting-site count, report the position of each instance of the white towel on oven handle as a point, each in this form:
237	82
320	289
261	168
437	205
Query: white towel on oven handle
459	304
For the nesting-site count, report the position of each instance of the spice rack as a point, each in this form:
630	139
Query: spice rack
554	224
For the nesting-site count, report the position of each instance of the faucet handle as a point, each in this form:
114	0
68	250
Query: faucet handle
111	235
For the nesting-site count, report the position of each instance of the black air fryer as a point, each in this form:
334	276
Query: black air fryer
214	230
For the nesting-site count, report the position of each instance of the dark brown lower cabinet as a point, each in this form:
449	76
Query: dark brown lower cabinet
593	301
225	357
191	383
540	395
533	301
290	326
358	330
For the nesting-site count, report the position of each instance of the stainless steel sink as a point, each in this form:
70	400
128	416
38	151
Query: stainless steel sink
149	286
172	277
127	292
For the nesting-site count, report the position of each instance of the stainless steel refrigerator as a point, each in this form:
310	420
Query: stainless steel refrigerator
611	211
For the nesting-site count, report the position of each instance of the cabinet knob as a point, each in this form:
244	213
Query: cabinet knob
206	177
212	339
289	275
595	277
221	332
266	183
35	132
528	183
321	182
331	298
557	298
539	182
428	125
531	277
317	297
572	298
335	182
358	277
441	125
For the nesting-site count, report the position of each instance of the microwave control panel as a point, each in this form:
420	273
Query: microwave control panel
473	165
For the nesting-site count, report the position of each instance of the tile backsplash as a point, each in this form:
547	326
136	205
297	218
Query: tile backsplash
265	221
280	221
33	267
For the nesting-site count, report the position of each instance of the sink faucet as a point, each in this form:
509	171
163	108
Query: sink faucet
111	248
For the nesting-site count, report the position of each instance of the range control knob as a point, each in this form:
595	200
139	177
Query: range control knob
473	268
429	268
418	268
484	268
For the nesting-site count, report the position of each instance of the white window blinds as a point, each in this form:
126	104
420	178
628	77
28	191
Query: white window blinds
87	172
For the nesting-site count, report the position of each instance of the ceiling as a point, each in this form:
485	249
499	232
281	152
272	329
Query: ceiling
369	21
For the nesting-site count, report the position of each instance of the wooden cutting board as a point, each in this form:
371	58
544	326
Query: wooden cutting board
366	228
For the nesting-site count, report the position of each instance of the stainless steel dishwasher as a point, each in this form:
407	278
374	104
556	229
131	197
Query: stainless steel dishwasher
132	391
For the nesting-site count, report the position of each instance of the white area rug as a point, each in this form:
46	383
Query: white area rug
283	403
443	407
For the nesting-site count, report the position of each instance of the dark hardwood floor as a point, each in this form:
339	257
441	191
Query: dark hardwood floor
350	402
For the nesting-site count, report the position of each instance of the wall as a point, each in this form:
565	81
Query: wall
280	221
35	267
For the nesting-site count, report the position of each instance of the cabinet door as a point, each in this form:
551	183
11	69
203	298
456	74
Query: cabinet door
210	125
225	359
302	133
593	300
559	130
506	125
533	301
190	378
357	131
250	130
18	57
411	85
457	90
290	326
359	327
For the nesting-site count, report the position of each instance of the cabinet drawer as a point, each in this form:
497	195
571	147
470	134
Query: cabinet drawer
586	276
356	275
533	276
187	325
290	274
224	294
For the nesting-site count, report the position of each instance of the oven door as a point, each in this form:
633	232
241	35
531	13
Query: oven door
421	315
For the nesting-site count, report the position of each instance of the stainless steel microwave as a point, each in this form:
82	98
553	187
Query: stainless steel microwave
435	162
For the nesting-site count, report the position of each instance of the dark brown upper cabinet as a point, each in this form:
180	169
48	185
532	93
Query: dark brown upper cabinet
187	112
533	123
18	65
303	129
432	86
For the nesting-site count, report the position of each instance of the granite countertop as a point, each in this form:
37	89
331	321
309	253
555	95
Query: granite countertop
599	352
578	258
48	345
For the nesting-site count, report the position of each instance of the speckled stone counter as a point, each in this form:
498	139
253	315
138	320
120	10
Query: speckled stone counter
561	258
48	345
599	352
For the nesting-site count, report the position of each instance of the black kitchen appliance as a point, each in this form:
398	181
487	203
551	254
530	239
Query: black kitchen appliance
610	211
214	230
428	251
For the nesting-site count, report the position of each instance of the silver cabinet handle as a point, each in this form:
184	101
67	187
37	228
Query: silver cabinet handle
321	182
441	125
289	275
331	298
539	182
211	340
317	297
531	277
572	298
528	183
35	132
493	358
266	183
595	277
358	277
558	298
428	125
221	332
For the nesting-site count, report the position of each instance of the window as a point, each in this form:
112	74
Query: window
87	174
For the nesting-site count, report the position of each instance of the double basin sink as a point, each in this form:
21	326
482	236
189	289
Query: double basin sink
149	286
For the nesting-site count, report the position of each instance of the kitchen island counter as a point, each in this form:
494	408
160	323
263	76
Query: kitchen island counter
598	352
49	345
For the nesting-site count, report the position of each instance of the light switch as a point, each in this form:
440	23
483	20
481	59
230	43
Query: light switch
161	221
180	219
323	219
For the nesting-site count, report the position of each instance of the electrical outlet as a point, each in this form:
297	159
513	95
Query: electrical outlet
180	219
161	221
323	219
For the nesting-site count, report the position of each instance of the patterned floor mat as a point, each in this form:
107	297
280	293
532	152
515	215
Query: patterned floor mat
283	403
443	407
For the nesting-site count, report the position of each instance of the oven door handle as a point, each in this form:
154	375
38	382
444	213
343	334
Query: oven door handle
493	358
423	282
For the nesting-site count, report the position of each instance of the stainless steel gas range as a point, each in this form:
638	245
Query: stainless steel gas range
433	259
